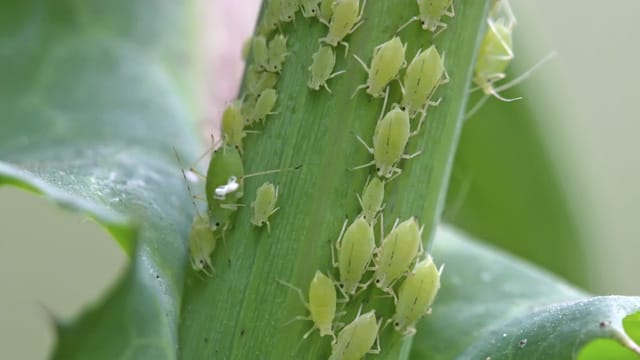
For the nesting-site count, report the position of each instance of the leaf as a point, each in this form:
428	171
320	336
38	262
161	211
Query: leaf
505	185
241	311
492	305
93	99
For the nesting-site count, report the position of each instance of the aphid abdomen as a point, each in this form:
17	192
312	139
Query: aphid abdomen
322	303
356	339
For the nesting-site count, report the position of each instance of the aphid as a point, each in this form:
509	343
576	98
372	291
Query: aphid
309	8
323	62
344	20
494	55
202	243
277	53
396	253
423	76
256	81
265	204
431	13
355	247
326	10
388	59
416	294
233	125
371	200
271	19
389	141
288	10
259	52
224	186
356	339
264	104
321	306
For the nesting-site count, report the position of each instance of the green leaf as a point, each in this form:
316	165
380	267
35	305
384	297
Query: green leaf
505	186
240	312
492	305
93	99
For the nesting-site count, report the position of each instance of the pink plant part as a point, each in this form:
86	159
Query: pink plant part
228	24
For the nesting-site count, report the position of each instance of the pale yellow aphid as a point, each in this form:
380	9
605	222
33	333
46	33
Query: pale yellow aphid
259	52
494	56
416	295
256	81
431	13
271	19
233	125
277	53
264	104
265	204
398	251
356	339
326	10
345	19
371	200
321	306
355	247
388	59
309	8
321	68
423	76
389	142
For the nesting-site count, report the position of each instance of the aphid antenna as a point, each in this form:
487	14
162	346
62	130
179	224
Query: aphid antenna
527	73
214	145
186	182
266	172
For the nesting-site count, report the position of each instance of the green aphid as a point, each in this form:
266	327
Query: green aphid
321	68
233	125
494	56
431	13
326	11
355	248
321	305
398	251
257	81
388	59
224	186
356	339
277	53
416	295
259	52
345	19
264	205
423	76
202	243
264	106
310	8
371	200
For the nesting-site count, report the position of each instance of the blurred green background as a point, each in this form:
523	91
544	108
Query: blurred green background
583	101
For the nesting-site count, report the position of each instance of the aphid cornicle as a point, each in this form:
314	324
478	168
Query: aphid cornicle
233	125
371	199
309	8
423	76
388	59
355	247
321	306
264	205
396	253
416	295
277	53
431	13
345	19
389	142
264	106
321	68
356	339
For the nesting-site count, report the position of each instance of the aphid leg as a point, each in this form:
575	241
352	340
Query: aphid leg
377	349
299	292
369	149
504	44
339	242
415	18
410	331
526	74
268	226
442	26
363	86
451	12
306	335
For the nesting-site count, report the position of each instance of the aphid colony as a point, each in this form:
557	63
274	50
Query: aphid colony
395	264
